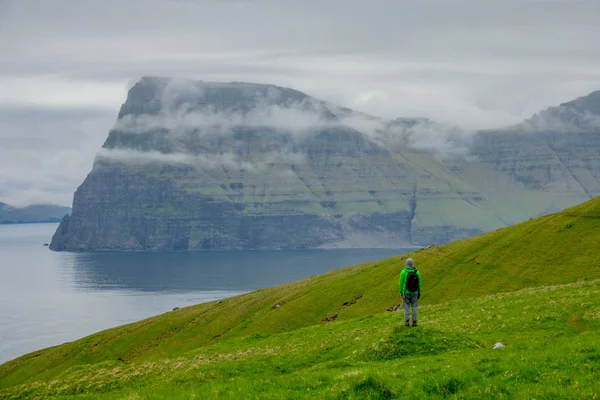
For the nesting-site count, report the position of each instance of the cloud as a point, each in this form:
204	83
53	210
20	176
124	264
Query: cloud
184	121
190	110
200	161
435	59
45	154
562	119
441	140
57	93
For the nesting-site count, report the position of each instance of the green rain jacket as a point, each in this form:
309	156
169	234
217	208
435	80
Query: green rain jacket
402	281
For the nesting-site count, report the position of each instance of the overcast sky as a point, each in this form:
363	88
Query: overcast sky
66	65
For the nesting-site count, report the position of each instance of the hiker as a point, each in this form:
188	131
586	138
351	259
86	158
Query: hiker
410	289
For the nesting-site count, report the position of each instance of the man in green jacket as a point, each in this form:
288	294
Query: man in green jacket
410	286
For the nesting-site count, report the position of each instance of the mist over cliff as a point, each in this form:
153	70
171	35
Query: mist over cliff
193	165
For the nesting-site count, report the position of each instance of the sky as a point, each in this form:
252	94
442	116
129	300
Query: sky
66	65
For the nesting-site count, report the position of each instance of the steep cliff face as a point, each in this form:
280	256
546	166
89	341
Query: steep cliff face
203	166
117	209
545	164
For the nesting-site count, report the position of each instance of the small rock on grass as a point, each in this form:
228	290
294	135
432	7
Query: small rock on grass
498	346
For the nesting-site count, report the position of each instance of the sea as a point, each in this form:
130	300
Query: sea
48	298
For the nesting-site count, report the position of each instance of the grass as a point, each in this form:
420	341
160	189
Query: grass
550	333
533	287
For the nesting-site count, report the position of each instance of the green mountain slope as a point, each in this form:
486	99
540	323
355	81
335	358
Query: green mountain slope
550	334
554	249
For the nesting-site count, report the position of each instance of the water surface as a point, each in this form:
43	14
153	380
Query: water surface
48	298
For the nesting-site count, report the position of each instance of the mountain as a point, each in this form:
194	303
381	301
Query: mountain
32	214
330	333
545	164
579	115
192	165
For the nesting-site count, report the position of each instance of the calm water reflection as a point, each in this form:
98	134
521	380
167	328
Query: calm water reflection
47	298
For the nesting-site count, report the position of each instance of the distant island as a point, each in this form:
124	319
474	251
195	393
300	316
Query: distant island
196	166
32	214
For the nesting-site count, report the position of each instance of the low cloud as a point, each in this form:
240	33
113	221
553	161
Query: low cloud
182	121
205	107
441	140
201	161
563	119
185	114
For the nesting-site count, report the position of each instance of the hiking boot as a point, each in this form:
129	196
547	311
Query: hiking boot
406	323
414	323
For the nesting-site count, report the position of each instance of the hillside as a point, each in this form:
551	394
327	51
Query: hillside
194	166
220	347
32	214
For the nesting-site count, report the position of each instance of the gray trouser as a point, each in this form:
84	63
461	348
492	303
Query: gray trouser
410	299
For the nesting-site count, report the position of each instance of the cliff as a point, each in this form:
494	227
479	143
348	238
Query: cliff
192	166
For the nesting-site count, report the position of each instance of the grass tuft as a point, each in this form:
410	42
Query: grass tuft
370	388
445	387
406	342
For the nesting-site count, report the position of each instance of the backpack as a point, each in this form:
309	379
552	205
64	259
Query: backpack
412	281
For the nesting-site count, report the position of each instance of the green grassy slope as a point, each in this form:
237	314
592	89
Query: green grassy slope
550	334
555	249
